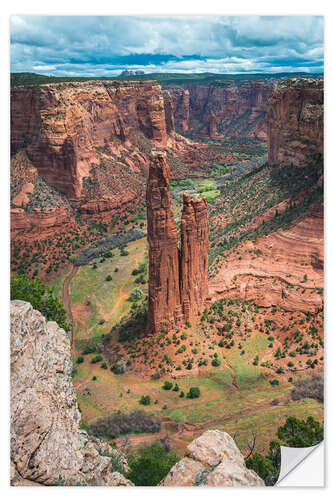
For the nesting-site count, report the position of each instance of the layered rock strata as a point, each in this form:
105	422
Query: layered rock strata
194	255
178	281
231	109
164	309
47	445
295	122
212	459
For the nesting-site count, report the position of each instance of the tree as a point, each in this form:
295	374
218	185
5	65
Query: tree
294	433
193	393
167	385
151	465
145	400
301	433
34	291
136	295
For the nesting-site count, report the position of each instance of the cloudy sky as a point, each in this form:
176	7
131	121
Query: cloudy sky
104	46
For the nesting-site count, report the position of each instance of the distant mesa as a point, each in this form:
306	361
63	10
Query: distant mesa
129	72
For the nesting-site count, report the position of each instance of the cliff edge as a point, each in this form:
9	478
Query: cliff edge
47	445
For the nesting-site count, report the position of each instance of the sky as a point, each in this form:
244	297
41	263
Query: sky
104	46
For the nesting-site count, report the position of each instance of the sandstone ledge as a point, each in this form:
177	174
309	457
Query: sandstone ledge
212	459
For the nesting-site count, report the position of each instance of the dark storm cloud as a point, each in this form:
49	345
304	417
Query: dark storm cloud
106	45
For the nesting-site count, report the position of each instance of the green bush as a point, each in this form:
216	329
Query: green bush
97	358
108	278
145	400
150	465
216	362
34	291
136	295
167	385
79	359
193	393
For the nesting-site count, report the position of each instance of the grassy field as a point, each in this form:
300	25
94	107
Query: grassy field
99	303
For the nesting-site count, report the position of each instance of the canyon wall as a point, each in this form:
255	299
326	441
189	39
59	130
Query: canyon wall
47	445
229	109
178	281
89	143
61	125
295	122
288	268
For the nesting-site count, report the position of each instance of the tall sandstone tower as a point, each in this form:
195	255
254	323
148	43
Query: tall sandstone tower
178	280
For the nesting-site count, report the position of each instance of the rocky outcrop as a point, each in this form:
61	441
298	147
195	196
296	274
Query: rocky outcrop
194	255
181	105
234	108
295	122
60	125
169	113
107	206
164	309
47	445
287	271
212	459
178	283
45	220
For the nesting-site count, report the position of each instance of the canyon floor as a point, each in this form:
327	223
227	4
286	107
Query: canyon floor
262	328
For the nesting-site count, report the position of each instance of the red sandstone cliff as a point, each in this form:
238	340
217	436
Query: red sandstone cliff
295	122
61	125
90	141
234	109
194	255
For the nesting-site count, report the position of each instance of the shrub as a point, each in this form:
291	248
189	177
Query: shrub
167	385
136	295
193	393
79	359
216	362
42	299
312	387
97	358
145	400
150	465
274	381
119	423
108	278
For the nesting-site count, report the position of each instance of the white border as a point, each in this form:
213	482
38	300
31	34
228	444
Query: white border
145	7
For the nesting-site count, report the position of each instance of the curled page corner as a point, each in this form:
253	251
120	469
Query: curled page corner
291	458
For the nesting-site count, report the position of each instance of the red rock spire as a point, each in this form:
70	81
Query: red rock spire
164	308
194	255
178	284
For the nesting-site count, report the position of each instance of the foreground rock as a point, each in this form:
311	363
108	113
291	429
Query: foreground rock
47	445
212	459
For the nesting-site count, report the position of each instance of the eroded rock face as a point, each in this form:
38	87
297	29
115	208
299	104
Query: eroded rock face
295	122
212	459
67	121
47	445
181	105
164	309
194	255
178	282
235	109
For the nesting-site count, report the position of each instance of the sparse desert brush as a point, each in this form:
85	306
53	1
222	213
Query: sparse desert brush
312	387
